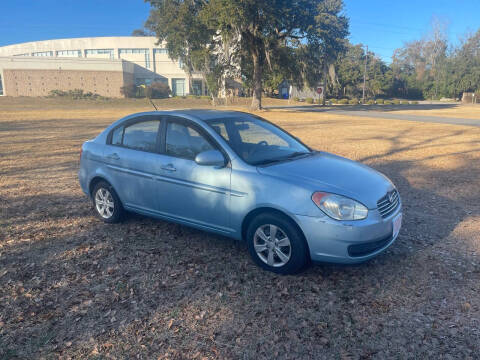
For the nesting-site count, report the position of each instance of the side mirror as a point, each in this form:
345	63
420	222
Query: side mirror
210	158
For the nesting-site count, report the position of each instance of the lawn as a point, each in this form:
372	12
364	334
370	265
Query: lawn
73	287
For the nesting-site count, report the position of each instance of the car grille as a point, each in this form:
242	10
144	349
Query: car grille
388	204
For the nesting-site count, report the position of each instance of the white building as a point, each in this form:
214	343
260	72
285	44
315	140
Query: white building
35	68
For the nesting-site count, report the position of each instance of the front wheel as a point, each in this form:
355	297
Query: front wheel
106	202
276	244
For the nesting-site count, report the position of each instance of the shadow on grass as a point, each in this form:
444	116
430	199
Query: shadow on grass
147	287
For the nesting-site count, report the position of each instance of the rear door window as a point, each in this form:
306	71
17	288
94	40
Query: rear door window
141	136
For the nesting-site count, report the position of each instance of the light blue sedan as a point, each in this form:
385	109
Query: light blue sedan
239	175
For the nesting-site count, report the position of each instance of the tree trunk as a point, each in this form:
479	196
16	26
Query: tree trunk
325	74
257	83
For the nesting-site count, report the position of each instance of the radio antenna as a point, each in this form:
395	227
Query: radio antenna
151	102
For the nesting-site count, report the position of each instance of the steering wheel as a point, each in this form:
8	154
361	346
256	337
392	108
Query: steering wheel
254	149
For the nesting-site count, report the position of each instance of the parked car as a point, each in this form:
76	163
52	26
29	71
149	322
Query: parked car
239	175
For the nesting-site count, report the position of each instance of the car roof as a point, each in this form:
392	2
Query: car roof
199	114
207	114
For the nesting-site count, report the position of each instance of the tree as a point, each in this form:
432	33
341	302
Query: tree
217	36
140	32
189	39
464	70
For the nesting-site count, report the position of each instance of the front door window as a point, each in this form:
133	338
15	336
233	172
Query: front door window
184	141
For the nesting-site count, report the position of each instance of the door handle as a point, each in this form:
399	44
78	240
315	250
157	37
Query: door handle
113	156
169	167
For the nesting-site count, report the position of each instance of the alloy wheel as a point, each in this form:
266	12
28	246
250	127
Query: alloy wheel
104	203
272	245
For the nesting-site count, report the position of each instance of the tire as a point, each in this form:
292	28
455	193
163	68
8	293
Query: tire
103	195
274	256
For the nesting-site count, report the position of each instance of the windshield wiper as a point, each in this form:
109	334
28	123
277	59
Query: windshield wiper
284	158
297	154
267	161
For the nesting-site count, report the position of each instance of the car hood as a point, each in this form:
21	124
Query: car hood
331	173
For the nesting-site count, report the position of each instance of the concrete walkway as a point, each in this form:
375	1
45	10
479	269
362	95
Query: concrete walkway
388	112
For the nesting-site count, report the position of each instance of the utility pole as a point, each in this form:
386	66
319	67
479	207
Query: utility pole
364	76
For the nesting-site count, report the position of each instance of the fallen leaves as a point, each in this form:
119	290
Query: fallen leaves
73	287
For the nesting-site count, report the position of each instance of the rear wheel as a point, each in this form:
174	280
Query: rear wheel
106	202
276	244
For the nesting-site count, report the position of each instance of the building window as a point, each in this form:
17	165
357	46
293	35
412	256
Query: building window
162	80
145	52
43	53
1	86
197	87
69	53
26	54
180	63
147	60
132	51
160	51
93	52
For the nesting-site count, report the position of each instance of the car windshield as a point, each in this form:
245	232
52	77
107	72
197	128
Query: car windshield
257	141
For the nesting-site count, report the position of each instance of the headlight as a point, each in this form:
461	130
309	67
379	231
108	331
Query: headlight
339	207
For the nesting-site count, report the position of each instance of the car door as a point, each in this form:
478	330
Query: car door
132	158
193	193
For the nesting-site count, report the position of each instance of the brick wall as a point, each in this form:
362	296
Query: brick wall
41	82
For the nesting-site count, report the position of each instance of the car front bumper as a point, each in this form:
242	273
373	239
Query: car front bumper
348	242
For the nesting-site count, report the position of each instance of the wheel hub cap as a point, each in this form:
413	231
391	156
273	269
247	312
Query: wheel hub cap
104	203
272	245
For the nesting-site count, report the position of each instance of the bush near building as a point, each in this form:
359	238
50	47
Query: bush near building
157	90
309	100
129	91
76	94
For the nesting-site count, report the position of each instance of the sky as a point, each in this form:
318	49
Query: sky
383	25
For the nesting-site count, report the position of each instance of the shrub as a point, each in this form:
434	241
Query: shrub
353	101
380	101
129	90
205	97
405	102
157	90
309	100
414	102
343	101
296	99
370	102
76	94
333	101
387	102
396	102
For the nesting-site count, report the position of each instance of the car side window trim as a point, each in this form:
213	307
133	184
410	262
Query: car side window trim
133	121
188	123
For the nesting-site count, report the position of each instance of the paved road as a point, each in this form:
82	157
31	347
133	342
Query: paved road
421	118
388	114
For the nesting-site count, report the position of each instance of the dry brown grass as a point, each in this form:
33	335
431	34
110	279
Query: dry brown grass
74	287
